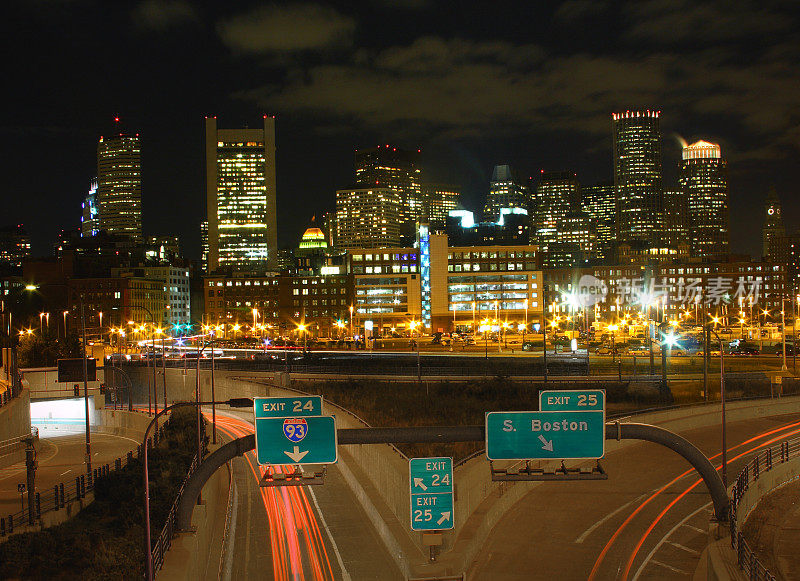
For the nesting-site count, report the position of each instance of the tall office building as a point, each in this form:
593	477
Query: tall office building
204	244
506	190
15	246
395	169
599	202
368	218
90	218
705	185
439	199
773	229
637	176
119	185
557	195
240	197
676	219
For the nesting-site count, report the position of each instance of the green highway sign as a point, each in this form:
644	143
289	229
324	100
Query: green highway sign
572	400
305	440
287	407
431	481
557	435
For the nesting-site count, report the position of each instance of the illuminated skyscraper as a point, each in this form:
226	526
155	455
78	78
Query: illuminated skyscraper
773	229
119	185
240	197
705	185
204	244
90	219
439	199
395	169
15	246
637	176
599	202
557	195
368	218
506	190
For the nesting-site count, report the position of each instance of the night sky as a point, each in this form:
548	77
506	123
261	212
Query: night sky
471	84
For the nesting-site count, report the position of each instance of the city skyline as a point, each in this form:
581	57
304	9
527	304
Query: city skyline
551	114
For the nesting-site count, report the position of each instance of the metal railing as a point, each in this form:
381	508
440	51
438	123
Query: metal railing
763	462
57	497
164	540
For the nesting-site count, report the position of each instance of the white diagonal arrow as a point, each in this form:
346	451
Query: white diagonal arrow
418	482
548	444
297	455
445	516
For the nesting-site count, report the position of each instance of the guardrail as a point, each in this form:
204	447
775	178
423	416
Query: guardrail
59	495
763	462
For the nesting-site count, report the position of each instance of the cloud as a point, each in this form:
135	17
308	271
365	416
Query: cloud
463	87
162	14
280	29
450	87
573	10
703	22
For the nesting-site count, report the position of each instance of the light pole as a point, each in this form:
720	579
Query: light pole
497	318
722	400
525	328
783	335
473	317
351	322
544	328
88	457
234	403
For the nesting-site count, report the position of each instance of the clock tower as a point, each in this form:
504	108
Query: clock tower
773	228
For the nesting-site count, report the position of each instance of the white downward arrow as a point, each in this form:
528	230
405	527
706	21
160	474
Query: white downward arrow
548	444
445	516
418	482
297	455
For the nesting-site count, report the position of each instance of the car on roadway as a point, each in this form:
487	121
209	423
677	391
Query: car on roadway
744	350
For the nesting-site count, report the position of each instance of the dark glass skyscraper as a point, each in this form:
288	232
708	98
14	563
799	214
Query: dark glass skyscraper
557	195
119	185
637	176
705	185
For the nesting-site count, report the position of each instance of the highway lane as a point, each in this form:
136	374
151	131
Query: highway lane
61	459
649	520
317	532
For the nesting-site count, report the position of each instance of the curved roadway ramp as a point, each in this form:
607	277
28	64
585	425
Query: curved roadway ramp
288	533
649	520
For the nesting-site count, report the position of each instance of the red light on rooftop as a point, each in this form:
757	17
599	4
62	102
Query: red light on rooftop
116	119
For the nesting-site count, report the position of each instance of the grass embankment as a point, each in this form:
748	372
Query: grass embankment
385	404
105	540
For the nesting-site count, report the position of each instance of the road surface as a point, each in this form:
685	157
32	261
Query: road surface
289	533
61	459
649	520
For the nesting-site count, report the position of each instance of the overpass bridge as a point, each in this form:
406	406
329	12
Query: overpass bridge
574	522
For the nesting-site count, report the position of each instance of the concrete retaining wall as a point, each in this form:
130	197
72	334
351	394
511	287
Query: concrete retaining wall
43	384
15	421
196	555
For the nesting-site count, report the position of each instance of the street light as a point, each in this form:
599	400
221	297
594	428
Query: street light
88	457
722	400
241	402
